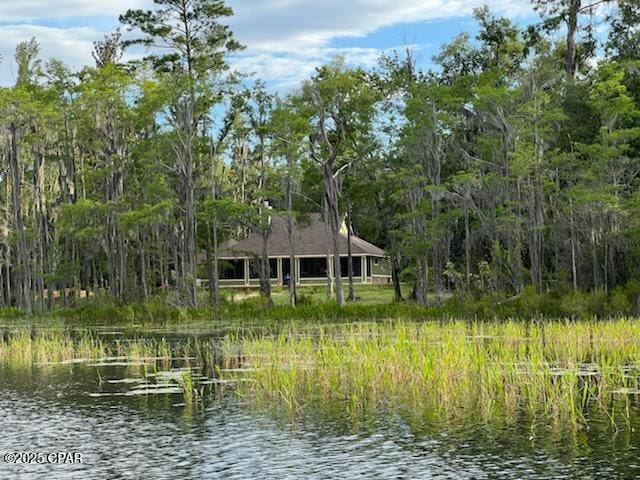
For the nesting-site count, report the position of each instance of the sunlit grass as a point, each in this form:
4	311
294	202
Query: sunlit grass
547	372
551	372
42	347
27	347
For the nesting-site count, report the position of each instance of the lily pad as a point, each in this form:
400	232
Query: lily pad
126	380
117	364
217	381
154	391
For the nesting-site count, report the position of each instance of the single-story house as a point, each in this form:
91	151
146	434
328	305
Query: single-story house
313	255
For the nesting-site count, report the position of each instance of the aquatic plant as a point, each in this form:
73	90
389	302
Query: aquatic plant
27	347
185	381
551	372
35	346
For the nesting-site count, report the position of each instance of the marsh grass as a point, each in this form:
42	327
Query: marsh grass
546	372
26	347
186	383
551	373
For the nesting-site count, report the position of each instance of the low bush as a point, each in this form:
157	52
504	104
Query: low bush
529	303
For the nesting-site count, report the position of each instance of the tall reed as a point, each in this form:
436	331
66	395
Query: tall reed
545	371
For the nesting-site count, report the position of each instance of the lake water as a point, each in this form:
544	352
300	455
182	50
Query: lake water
48	409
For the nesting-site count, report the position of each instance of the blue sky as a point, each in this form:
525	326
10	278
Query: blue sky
285	39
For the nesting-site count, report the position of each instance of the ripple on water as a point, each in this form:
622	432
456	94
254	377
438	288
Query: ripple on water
128	438
157	435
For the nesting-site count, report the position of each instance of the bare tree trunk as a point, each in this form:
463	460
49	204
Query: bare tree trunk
176	256
42	227
8	274
212	241
536	245
418	231
190	237
467	249
331	195
216	267
122	263
111	255
395	278
572	27
594	255
212	262
187	277
241	155
24	273
437	281
143	264
293	294
329	289
293	271
5	300
572	240
162	261
352	293
265	268
422	281
606	265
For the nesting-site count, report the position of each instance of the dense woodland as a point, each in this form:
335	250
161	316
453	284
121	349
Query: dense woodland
511	163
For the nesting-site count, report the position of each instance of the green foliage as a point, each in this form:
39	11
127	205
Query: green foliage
499	177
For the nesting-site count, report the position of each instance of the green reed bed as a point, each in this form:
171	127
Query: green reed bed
546	372
28	347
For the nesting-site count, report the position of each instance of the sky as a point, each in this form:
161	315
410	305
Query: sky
285	39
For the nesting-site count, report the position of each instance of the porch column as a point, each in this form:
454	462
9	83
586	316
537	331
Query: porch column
297	279
279	268
363	268
246	272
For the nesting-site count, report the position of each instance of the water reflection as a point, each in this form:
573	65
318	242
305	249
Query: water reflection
84	406
48	409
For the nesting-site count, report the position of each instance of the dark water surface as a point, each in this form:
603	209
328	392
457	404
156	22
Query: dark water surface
47	409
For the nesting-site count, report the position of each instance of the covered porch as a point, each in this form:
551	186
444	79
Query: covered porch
310	270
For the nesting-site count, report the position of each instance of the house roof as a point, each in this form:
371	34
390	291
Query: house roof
312	237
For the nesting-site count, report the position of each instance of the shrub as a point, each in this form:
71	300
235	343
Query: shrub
618	304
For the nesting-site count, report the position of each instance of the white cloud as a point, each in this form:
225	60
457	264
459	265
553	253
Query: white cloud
72	45
287	25
41	9
285	39
285	70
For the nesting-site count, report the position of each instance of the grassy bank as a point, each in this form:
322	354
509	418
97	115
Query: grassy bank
373	303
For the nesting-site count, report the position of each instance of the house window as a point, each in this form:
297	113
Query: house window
253	268
357	266
313	267
231	269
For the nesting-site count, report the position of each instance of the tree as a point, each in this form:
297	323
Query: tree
343	106
568	12
288	129
189	48
109	126
20	107
218	217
